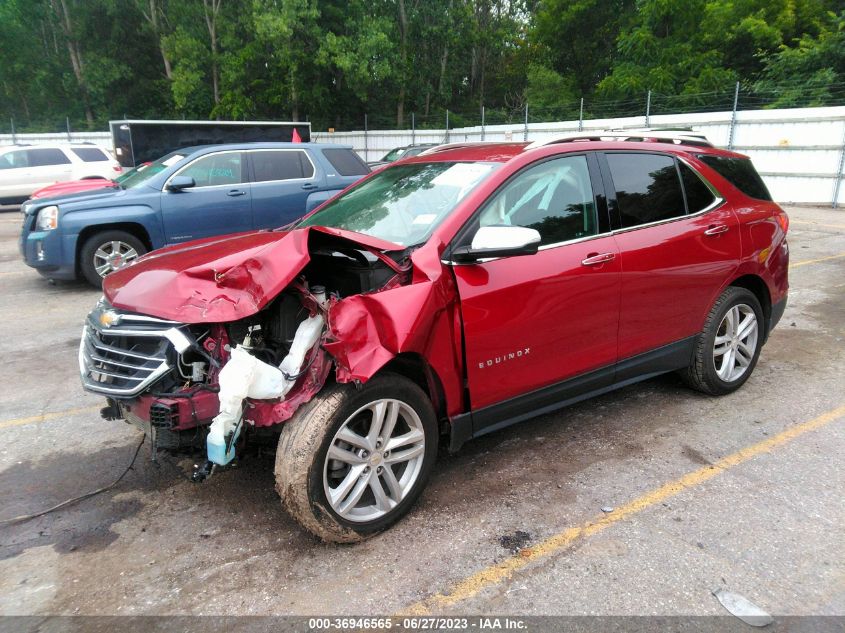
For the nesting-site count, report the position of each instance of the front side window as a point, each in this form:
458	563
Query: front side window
13	160
647	188
280	165
46	156
402	204
215	170
554	197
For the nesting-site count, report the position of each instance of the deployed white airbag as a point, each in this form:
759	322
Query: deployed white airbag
244	376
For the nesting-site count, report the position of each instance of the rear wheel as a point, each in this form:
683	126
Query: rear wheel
106	252
727	349
353	461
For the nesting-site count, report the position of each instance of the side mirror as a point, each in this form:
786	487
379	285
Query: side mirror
178	183
498	241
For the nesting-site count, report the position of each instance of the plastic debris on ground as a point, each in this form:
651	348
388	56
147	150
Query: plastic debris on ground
743	608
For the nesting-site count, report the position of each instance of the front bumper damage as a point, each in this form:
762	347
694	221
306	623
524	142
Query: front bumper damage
412	310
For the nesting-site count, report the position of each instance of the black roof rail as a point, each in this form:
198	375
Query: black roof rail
673	136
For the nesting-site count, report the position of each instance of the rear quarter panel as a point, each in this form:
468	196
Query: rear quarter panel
765	252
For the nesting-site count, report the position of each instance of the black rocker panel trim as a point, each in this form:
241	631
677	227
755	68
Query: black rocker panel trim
547	399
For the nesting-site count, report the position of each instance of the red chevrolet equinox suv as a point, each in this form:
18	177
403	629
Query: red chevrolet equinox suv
438	299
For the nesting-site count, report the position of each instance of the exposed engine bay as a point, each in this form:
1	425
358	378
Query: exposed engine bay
173	379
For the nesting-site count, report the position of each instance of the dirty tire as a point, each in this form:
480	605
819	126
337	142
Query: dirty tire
701	373
304	444
86	253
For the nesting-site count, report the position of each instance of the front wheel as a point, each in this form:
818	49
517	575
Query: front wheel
106	252
727	349
352	462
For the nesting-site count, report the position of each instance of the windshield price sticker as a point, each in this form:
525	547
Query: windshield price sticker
419	623
462	175
425	218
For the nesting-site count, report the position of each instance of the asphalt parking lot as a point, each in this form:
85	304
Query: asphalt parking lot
742	492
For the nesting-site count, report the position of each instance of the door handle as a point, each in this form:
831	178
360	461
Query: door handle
716	229
234	193
595	259
309	185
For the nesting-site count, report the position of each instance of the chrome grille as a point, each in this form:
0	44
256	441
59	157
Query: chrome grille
125	359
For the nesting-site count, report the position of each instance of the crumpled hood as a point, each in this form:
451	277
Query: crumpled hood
220	279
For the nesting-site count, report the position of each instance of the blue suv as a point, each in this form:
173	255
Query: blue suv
189	194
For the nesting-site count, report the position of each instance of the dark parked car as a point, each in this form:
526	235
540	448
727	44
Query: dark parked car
440	299
399	153
188	194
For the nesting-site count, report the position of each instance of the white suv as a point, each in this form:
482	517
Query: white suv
26	168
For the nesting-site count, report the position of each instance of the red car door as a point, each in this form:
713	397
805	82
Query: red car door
532	321
679	246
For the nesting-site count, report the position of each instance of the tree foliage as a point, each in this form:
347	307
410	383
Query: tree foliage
332	61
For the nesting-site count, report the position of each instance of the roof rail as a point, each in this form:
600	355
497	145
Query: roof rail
447	146
674	136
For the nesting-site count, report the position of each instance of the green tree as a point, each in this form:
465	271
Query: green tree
578	37
288	31
810	73
703	46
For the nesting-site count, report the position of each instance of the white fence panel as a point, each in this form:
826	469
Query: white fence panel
798	152
103	139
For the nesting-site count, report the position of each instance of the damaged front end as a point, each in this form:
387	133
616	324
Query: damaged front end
206	355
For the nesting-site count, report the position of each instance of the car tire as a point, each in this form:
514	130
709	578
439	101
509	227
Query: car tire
93	256
319	491
727	349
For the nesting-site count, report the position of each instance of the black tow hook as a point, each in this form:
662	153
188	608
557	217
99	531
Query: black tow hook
111	411
201	473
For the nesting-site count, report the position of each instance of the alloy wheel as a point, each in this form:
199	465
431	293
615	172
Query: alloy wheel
735	343
374	460
113	255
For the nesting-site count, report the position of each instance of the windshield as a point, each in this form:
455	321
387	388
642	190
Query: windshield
393	155
402	204
130	173
142	174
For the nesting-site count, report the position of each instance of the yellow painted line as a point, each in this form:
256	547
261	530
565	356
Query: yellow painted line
828	226
38	419
500	572
816	261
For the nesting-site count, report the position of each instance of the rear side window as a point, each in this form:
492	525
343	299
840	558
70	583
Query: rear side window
346	162
740	173
280	165
699	196
90	154
44	156
647	188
